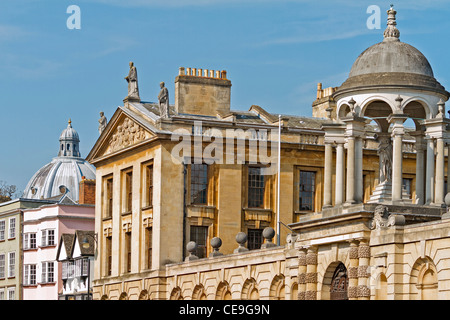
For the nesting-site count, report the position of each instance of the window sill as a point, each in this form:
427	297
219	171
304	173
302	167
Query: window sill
47	246
128	213
257	214
47	284
197	205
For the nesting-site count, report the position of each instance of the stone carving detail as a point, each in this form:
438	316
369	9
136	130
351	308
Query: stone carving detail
363	291
301	296
362	272
391	30
290	240
302	278
352	272
352	292
311	258
311	295
364	251
383	220
302	259
127	133
311	277
353	254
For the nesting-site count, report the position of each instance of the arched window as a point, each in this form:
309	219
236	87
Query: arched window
339	283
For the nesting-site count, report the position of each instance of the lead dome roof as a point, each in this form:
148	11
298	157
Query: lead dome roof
64	173
391	63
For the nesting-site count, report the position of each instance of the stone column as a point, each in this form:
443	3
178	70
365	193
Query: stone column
448	169
420	164
350	188
363	270
353	271
440	171
311	274
435	129
354	133
429	184
328	168
397	168
302	274
339	190
359	188
397	155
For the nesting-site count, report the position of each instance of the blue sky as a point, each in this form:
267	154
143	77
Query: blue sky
275	53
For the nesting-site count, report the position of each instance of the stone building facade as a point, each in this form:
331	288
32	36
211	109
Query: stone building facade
355	196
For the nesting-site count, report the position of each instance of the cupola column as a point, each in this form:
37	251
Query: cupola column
436	133
440	171
397	155
339	190
429	182
328	168
354	134
420	165
334	136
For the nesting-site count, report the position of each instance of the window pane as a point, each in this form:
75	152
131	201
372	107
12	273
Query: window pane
149	185
307	190
199	183
199	235
255	188
255	239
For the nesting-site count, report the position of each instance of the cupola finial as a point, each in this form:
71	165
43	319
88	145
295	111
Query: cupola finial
391	33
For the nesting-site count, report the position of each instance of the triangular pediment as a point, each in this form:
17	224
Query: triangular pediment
121	133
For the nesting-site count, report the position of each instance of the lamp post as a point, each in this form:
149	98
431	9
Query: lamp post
86	245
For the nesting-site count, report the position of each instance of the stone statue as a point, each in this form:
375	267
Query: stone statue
385	154
163	98
133	90
102	122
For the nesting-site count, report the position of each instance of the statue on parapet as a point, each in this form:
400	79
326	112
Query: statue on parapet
102	122
133	90
163	98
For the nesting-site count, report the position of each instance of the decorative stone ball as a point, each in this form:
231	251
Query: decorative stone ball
191	246
447	199
241	238
216	242
268	233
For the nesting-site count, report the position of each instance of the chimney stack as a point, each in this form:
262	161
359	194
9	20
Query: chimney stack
87	191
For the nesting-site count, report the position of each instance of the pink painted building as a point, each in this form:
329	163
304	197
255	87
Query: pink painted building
42	229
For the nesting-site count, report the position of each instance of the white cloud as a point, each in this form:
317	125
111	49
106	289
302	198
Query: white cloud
10	32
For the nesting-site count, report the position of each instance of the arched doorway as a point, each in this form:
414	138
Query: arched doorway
339	283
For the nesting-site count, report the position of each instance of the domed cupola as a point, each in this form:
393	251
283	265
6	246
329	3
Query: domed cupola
391	63
69	142
64	173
